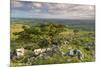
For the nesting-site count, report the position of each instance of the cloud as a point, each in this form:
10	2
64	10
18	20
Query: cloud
53	10
72	9
16	3
38	5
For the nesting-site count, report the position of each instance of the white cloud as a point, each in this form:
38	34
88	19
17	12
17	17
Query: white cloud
37	4
56	10
72	9
16	3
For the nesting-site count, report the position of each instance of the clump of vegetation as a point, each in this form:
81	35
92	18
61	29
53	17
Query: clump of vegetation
45	35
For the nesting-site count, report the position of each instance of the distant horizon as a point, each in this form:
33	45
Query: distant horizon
50	18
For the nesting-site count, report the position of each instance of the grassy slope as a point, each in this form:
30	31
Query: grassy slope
82	34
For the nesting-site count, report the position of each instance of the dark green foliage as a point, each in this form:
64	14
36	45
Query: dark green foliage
43	43
75	31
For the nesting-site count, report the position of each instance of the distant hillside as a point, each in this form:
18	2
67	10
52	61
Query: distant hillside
88	25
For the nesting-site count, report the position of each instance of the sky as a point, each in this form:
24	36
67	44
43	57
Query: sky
23	9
